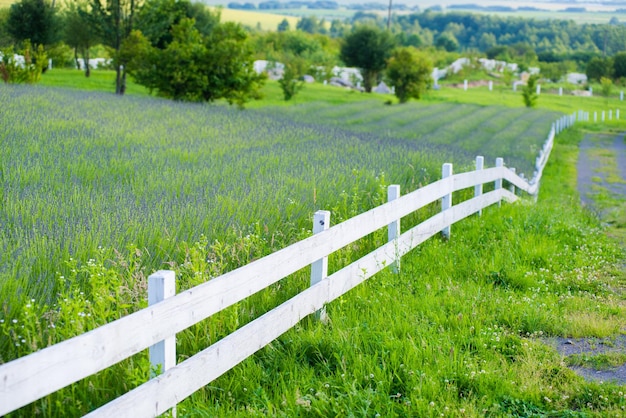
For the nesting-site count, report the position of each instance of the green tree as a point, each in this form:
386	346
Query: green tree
33	20
619	65
311	25
29	71
283	26
291	82
598	67
607	86
447	41
79	33
114	21
156	18
195	67
409	71
529	92
5	37
367	48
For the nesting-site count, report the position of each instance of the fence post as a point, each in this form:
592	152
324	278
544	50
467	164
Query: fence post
465	85
446	201
538	89
490	85
603	116
393	229
512	186
595	116
560	91
616	114
319	268
162	285
478	189
498	182
611	114
621	96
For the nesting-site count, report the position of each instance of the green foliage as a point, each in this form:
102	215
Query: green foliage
29	71
156	19
283	26
367	48
5	37
598	68
33	20
291	82
619	65
555	71
447	41
114	22
310	24
79	31
607	86
409	71
194	67
529	92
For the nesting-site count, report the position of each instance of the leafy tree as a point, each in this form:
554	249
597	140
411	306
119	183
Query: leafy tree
283	26
5	36
291	82
311	25
33	20
598	67
607	86
29	71
409	71
447	41
619	65
196	67
156	18
114	21
367	48
79	33
529	92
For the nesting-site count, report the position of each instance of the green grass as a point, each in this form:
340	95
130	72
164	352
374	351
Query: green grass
98	191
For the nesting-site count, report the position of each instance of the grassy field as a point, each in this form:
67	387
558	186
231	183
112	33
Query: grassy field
264	21
98	191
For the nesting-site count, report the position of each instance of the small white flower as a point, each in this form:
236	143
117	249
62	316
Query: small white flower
15	321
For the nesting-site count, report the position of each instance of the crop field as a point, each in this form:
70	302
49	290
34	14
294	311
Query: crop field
82	170
98	191
266	21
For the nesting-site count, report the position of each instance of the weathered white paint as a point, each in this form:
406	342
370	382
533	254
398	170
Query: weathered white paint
465	85
393	230
560	91
478	189
446	201
319	268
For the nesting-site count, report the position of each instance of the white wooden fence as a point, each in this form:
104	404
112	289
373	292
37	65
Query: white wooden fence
32	377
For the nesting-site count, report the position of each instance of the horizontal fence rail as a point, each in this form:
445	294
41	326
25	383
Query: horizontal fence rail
34	376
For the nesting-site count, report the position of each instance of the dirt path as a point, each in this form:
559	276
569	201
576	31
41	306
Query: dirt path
595	167
602	187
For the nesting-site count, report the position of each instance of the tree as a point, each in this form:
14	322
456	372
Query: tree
156	18
291	82
447	41
367	48
598	67
33	20
5	36
196	67
529	92
409	71
27	71
619	65
114	21
607	86
79	33
283	26
311	25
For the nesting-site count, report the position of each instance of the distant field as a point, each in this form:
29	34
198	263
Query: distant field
5	3
266	21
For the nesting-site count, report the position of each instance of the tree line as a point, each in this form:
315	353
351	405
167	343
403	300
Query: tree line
182	50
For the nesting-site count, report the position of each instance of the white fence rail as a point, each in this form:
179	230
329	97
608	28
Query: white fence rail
32	377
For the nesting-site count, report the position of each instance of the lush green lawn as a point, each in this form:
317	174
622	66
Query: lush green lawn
99	191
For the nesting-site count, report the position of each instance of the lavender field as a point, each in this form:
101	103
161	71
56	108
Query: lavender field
83	170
